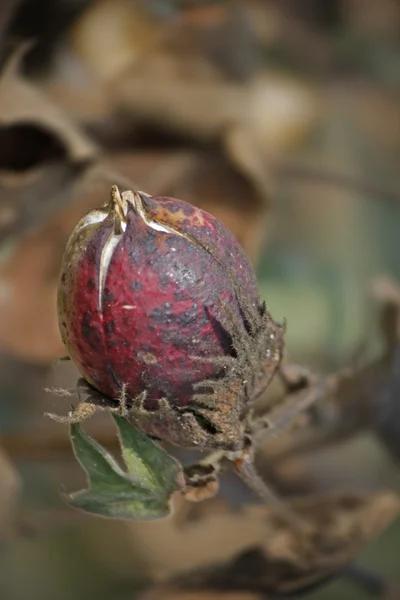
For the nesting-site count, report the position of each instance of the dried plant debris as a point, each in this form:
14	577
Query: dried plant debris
199	102
368	396
360	397
44	22
42	155
289	562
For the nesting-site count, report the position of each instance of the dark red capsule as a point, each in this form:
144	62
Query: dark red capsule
153	294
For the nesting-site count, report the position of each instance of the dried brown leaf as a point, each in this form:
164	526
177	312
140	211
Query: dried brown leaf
43	154
254	551
189	100
22	102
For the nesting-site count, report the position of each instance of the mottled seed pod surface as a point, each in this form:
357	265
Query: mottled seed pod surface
156	295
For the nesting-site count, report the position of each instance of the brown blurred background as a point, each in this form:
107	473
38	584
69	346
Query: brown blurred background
282	118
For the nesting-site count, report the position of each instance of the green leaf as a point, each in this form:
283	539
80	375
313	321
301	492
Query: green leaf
97	462
146	462
119	507
142	493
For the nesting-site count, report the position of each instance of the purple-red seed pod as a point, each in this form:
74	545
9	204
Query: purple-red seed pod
156	296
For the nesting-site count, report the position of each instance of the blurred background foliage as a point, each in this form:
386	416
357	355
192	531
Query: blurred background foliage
281	117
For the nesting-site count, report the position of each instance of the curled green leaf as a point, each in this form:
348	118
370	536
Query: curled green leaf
141	493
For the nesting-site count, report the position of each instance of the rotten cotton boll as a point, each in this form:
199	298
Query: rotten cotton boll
159	307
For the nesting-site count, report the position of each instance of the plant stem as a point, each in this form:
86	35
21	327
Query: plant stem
244	467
